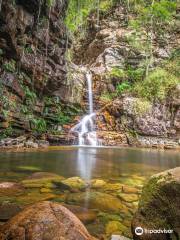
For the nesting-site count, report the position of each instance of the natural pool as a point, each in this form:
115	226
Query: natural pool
100	185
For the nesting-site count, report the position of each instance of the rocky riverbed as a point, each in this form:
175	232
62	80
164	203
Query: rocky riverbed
105	207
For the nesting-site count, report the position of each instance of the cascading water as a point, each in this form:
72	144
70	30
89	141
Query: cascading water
86	128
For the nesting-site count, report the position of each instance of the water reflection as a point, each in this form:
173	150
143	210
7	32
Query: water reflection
86	164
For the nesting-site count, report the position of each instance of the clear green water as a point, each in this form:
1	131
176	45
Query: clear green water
116	167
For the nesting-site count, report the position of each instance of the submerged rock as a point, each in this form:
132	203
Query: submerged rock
159	206
101	201
97	183
8	210
42	180
115	227
44	220
33	197
128	189
84	214
73	183
128	197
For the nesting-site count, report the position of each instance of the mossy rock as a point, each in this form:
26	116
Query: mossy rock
138	183
130	190
115	227
45	190
42	180
159	205
34	197
97	183
98	200
112	187
73	183
107	217
128	197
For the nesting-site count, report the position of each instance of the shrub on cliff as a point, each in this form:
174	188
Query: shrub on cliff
156	85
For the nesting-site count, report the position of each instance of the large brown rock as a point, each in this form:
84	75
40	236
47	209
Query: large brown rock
159	207
44	221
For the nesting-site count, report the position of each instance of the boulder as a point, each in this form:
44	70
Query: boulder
73	184
159	207
97	183
102	201
44	220
128	197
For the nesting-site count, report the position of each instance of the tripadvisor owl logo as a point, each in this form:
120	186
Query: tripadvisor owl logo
139	231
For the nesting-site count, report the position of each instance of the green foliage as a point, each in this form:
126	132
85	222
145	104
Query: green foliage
10	66
5	113
62	118
49	2
24	109
135	74
123	87
30	95
128	73
79	10
104	6
163	10
118	73
77	13
106	97
1	52
141	106
153	14
7	132
157	85
7	105
39	125
28	49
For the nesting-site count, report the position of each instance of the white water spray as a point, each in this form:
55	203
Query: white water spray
86	128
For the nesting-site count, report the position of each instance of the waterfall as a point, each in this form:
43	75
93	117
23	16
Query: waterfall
86	127
90	93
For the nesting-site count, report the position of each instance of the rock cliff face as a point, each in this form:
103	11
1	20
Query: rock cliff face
119	121
33	70
36	47
43	93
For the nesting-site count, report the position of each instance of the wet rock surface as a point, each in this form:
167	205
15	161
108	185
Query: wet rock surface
159	206
44	220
